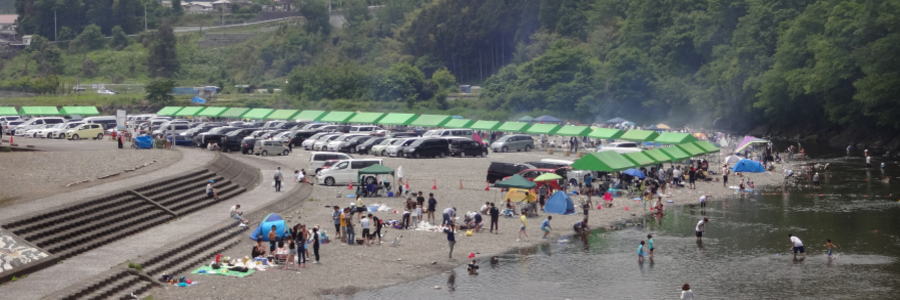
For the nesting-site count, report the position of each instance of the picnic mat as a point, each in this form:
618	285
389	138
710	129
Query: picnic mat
222	271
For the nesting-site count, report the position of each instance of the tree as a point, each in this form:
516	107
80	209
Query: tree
119	39
444	80
47	56
316	14
176	8
158	91
90	39
163	58
88	68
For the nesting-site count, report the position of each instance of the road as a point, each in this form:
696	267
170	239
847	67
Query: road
200	28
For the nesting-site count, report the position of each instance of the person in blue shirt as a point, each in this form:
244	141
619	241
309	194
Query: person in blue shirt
545	226
650	245
451	238
640	253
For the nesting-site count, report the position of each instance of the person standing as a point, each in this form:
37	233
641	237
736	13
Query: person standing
336	218
316	243
545	226
495	218
701	226
451	238
650	246
692	177
301	237
829	248
378	225
640	253
725	172
522	229
364	223
868	160
432	206
278	176
351	234
273	239
796	245
420	200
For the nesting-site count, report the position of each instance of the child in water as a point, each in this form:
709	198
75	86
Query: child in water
829	248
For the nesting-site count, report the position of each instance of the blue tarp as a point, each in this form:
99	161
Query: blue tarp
748	166
143	142
265	226
559	203
634	172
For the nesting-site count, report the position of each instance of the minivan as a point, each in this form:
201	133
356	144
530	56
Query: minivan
513	142
427	147
364	129
345	171
107	121
317	159
270	147
37	122
462	147
449	132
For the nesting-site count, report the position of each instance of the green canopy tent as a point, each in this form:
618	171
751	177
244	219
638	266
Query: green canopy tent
212	111
638	135
640	158
257	113
513	126
459	123
707	146
38	111
691	149
397	119
485	125
337	116
168	110
675	138
8	111
515	182
366	172
309	115
366	118
542	128
282	114
430	120
676	153
573	130
606	161
189	111
605	133
78	111
658	155
234	113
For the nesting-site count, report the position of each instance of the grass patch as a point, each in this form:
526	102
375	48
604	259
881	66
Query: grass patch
135	266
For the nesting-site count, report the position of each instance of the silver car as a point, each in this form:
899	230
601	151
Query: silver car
513	142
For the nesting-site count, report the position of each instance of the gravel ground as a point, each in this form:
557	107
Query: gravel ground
32	175
346	269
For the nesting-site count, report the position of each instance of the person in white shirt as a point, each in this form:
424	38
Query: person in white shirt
868	161
300	176
686	292
236	213
364	223
703	200
701	226
797	245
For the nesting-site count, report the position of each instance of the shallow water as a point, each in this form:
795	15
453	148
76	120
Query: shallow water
744	253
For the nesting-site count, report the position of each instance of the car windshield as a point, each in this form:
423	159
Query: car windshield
407	142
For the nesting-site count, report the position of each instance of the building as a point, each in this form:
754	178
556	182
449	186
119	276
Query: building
198	7
8	22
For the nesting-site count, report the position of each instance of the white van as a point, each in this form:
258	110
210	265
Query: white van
364	129
449	132
345	171
107	121
317	159
37	123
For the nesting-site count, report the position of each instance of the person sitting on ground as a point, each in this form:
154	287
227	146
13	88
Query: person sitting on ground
237	214
479	222
258	251
211	192
509	212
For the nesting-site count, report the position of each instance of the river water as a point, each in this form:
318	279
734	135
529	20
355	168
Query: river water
744	253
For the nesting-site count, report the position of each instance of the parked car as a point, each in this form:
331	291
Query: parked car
513	142
198	129
35	122
38	130
340	142
621	147
366	129
214	135
403	134
364	147
428	147
108	122
308	143
448	132
346	172
462	147
48	130
9	127
180	140
88	130
270	147
350	144
395	149
317	159
232	140
500	170
324	140
382	147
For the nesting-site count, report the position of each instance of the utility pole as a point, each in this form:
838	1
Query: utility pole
55	35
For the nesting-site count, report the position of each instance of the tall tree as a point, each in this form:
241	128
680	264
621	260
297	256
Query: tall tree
163	58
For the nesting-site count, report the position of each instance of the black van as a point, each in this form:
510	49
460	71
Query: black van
433	147
500	170
462	147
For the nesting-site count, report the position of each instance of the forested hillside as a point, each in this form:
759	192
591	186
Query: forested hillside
808	64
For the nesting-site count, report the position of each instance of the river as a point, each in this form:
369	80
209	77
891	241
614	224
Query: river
744	253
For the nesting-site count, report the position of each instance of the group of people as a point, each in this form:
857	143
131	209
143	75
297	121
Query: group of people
293	246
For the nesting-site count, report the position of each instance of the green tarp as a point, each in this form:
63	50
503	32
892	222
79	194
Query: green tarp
640	158
38	111
485	125
234	112
366	118
8	111
573	130
605	133
168	111
189	111
676	153
78	111
430	120
513	126
338	116
222	272
257	113
516	182
639	135
606	161
542	128
378	169
691	149
674	138
309	115
397	119
282	114
658	155
212	111
459	123
707	146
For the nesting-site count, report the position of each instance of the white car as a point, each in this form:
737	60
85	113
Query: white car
323	142
338	143
394	149
345	171
310	141
45	132
60	132
318	159
34	131
621	147
106	92
382	147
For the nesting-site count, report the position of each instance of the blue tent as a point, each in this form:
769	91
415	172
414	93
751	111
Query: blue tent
559	203
547	119
143	142
748	166
265	226
635	172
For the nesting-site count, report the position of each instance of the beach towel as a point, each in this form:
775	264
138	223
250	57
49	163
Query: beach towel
222	271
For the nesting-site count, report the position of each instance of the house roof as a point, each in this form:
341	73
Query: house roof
8	19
